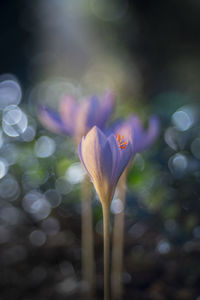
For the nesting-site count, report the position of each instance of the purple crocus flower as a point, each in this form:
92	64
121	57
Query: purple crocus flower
105	159
134	130
76	119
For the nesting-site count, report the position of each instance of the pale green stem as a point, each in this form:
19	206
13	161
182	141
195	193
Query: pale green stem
106	233
118	243
88	261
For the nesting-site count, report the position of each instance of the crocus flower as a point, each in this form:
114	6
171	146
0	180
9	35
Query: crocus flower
134	130
104	158
76	119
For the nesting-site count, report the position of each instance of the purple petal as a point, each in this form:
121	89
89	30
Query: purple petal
106	109
125	156
93	111
51	120
133	130
114	146
113	128
80	123
152	132
127	131
130	129
86	116
121	157
136	128
68	110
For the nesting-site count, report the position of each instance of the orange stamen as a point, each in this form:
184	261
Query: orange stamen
121	142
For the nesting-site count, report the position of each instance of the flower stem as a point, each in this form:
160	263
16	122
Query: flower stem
88	262
118	243
106	226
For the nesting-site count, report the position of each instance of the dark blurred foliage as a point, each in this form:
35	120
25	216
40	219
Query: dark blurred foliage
40	234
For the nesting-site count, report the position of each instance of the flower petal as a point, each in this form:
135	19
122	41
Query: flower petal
68	110
136	128
152	132
113	128
131	130
125	157
106	109
93	111
115	156
81	156
128	132
81	124
51	120
97	157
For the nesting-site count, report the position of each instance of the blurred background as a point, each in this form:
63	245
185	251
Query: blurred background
147	52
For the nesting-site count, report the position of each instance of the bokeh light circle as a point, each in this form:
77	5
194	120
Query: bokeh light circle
9	188
75	173
10	93
35	203
37	238
3	167
14	121
44	147
53	197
